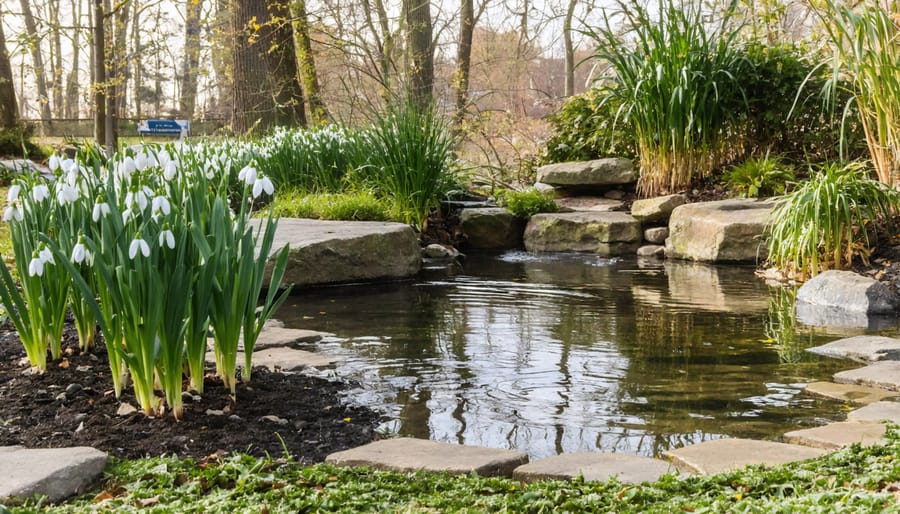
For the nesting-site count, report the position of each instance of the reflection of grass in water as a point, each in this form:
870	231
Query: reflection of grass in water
780	325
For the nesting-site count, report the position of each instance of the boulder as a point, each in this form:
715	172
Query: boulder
656	235
722	231
55	473
657	209
848	291
604	233
579	174
491	229
334	252
652	251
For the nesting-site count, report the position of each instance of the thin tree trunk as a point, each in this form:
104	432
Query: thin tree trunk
253	105
72	100
57	72
281	60
463	59
37	58
420	52
99	73
111	137
9	110
119	57
187	104
306	61
138	73
569	50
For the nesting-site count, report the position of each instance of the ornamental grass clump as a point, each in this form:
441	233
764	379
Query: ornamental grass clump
673	76
866	54
147	239
829	220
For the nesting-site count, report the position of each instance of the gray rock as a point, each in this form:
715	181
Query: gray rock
656	209
614	194
836	318
282	358
600	172
722	231
656	235
332	252
547	189
848	291
838	435
604	233
652	251
877	412
587	203
850	393
882	374
721	455
56	473
861	348
406	455
273	335
595	466
491	229
274	419
438	251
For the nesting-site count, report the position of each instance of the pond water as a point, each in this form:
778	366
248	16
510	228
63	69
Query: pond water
562	353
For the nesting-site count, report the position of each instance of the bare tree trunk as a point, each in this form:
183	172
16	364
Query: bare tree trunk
463	59
190	65
99	67
37	58
280	54
570	51
119	58
56	59
307	63
9	110
137	48
221	59
254	108
72	79
420	52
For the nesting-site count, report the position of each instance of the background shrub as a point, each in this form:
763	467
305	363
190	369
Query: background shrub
525	204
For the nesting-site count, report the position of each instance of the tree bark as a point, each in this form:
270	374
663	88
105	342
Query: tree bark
307	64
57	72
37	58
253	104
9	110
119	57
72	79
419	52
281	60
569	50
463	59
187	104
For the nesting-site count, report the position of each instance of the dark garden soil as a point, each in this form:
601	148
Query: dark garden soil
72	404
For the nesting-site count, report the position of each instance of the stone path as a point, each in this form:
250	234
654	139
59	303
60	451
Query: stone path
595	466
722	455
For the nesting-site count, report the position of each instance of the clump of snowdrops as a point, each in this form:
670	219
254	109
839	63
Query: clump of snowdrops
148	246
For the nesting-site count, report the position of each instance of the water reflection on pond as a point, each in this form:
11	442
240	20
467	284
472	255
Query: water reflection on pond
562	353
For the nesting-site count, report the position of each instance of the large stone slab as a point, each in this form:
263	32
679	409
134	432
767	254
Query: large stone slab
848	291
658	208
596	467
722	231
579	174
721	455
876	413
604	233
56	473
333	252
882	374
280	358
838	435
849	393
861	348
587	204
491	229
274	335
406	454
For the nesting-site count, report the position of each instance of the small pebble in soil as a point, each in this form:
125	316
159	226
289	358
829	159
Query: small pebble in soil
73	389
275	419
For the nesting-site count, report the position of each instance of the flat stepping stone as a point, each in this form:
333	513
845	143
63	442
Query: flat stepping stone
281	358
849	393
603	233
876	413
834	436
273	336
595	467
406	454
721	455
882	374
587	204
56	473
586	174
861	348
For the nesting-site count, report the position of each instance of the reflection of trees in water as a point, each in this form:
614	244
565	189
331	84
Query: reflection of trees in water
782	330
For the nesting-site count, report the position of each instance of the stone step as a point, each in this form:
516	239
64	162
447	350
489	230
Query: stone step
588	174
407	454
657	209
596	467
491	229
56	473
876	412
603	233
882	374
834	436
721	455
849	393
587	204
281	358
861	348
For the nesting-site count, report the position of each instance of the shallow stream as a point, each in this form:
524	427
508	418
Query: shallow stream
562	353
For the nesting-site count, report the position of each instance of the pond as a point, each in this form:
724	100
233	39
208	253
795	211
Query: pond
556	353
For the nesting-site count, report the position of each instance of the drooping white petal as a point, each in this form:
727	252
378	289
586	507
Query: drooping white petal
141	199
46	256
53	164
145	248
36	267
67	194
257	188
100	209
79	253
13	193
167	238
138	245
40	193
170	170
247	174
267	185
161	204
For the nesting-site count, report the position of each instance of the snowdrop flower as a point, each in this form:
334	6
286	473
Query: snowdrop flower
53	164
161	206
127	213
13	193
167	238
69	165
40	193
247	175
169	171
136	197
80	254
141	162
46	256
36	267
100	209
138	245
263	184
13	212
67	194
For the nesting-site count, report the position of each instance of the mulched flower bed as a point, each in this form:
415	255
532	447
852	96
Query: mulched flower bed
72	404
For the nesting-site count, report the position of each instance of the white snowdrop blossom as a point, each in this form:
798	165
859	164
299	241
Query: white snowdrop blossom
13	193
141	162
69	165
169	171
261	185
138	245
13	212
46	256
101	209
247	175
53	163
81	254
161	205
67	194
126	214
40	193
36	267
167	238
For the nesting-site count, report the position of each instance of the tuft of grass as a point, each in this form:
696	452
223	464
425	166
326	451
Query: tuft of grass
525	204
759	177
347	206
